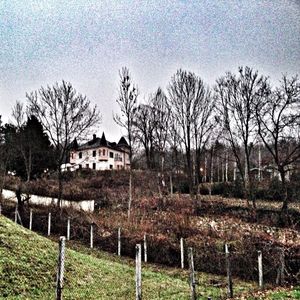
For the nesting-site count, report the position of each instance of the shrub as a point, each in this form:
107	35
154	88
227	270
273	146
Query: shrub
275	189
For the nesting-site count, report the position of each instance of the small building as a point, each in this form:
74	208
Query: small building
100	154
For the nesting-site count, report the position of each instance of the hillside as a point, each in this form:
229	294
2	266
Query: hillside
28	271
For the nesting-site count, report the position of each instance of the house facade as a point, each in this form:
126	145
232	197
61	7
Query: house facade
99	154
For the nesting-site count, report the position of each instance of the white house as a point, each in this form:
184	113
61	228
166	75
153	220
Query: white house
99	154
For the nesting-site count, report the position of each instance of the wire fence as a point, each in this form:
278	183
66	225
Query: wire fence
262	262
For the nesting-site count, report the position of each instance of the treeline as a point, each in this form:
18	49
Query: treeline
240	126
242	114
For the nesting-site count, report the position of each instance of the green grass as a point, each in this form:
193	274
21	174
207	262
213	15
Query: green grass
295	294
28	271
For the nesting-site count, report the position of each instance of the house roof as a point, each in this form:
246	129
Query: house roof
123	142
97	142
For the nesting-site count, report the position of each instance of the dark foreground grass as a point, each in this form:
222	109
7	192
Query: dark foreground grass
28	271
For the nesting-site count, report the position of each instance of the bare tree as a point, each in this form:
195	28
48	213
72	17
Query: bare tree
204	123
127	101
186	97
161	116
278	121
65	115
144	131
18	114
237	97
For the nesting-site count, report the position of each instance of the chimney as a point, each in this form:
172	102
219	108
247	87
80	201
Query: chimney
94	137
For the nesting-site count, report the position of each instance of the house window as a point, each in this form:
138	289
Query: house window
94	166
87	166
72	155
111	154
103	152
80	154
94	153
110	167
80	166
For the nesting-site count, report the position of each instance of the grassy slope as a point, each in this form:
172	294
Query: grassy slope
28	271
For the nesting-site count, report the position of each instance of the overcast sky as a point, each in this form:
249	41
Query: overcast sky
86	42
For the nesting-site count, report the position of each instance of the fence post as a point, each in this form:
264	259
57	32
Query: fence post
260	270
49	223
138	272
119	241
0	209
92	236
192	274
281	268
68	228
182	253
228	270
60	268
30	219
16	214
145	248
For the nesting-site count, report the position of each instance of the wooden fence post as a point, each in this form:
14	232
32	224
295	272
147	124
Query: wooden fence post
145	248
68	228
192	274
119	241
92	237
49	223
228	270
138	272
260	270
281	268
182	253
60	268
16	214
30	219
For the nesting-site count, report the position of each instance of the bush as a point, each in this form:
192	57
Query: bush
228	189
182	188
294	187
275	189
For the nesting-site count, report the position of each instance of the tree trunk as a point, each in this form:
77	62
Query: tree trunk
226	166
130	194
197	166
284	209
60	188
189	171
211	170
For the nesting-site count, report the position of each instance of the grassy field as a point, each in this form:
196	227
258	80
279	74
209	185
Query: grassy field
28	271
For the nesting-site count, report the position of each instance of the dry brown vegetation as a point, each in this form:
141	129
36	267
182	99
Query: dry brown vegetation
205	224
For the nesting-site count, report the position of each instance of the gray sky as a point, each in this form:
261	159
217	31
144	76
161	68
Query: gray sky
86	42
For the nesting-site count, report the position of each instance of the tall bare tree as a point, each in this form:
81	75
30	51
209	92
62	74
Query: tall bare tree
204	123
144	131
278	121
161	118
237	98
127	101
65	115
187	95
